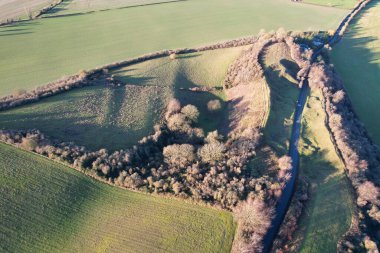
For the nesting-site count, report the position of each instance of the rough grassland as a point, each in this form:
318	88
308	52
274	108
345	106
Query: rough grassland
114	118
82	6
17	8
47	207
33	53
328	212
357	61
346	4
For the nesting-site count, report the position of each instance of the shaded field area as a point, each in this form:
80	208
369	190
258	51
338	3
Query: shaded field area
346	4
101	116
328	212
15	9
47	207
357	60
46	49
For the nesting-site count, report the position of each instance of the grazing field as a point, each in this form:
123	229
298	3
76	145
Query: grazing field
15	9
35	52
47	207
346	4
75	6
328	212
357	61
118	117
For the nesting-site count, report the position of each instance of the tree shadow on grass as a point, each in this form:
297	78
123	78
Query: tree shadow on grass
208	121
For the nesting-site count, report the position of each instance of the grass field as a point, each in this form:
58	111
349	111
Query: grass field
47	207
33	53
116	118
82	6
19	8
328	212
357	61
346	4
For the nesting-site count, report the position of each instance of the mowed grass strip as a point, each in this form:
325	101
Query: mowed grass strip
118	117
357	61
47	207
36	52
329	210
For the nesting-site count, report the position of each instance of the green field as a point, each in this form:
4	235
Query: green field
47	207
116	118
328	212
357	61
81	6
346	4
16	9
33	53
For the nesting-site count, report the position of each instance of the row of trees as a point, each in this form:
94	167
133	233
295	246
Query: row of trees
360	156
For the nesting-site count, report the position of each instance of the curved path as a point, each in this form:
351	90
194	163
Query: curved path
286	197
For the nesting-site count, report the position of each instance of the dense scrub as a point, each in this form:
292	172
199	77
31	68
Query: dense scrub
360	156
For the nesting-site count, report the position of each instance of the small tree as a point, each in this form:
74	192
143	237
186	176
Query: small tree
213	137
174	106
191	112
179	154
211	152
178	122
214	105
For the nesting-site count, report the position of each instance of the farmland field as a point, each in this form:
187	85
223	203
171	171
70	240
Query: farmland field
357	61
346	4
75	6
47	207
118	117
14	9
328	212
33	53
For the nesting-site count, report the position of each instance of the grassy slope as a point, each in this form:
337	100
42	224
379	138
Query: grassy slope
357	61
283	96
114	118
47	207
328	212
346	4
43	50
17	8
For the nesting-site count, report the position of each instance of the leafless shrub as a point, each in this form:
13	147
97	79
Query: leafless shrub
285	163
368	191
211	152
29	144
214	105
